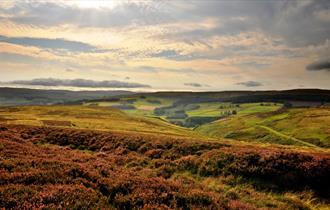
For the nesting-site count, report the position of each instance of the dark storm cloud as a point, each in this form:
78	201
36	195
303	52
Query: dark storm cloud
54	44
80	83
250	84
320	65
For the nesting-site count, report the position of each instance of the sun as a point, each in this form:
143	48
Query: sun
94	3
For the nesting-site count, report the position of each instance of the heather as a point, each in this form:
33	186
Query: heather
47	167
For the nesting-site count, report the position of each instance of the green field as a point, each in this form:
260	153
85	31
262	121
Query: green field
217	109
299	126
142	106
146	106
251	122
263	122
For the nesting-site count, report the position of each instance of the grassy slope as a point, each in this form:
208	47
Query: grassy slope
95	118
251	108
23	96
213	109
250	124
206	109
311	126
46	167
144	106
253	122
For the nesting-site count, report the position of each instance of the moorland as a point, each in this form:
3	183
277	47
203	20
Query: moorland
166	150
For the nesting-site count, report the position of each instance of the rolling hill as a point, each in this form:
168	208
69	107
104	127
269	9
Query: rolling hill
24	96
297	126
85	117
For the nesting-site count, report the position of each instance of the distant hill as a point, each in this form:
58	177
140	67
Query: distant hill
23	96
318	95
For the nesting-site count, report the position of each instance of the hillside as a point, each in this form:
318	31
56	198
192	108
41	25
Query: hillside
181	112
191	109
297	126
24	96
245	96
47	167
94	118
263	122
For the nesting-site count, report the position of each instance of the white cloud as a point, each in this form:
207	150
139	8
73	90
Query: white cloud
181	41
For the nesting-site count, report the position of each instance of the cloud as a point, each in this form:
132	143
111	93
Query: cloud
286	19
323	15
69	70
79	83
250	84
46	13
17	58
253	65
166	54
194	40
320	65
54	44
158	69
193	84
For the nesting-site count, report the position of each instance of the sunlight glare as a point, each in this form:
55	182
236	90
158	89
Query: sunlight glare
95	4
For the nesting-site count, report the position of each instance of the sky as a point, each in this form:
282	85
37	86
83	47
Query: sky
199	45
